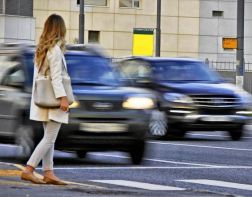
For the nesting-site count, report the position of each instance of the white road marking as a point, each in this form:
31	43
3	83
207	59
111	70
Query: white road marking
9	145
139	185
219	183
212	135
151	167
155	160
199	146
21	167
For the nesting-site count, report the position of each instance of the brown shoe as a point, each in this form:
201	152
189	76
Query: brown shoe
29	176
48	180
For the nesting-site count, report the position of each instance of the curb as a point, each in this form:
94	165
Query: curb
11	169
8	166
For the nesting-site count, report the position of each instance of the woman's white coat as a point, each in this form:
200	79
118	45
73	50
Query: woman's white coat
56	61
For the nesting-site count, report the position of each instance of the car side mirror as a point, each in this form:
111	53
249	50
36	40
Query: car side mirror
16	85
125	82
143	81
229	80
14	81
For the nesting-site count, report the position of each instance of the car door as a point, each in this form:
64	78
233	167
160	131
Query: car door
11	93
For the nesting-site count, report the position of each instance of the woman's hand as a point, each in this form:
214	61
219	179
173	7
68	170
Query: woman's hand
64	106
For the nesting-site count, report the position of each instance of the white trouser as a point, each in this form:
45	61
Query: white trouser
45	149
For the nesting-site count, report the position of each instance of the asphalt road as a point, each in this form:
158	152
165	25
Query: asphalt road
203	164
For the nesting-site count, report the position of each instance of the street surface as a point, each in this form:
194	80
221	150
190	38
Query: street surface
203	164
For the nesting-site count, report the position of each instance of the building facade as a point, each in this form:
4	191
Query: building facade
111	23
191	28
218	19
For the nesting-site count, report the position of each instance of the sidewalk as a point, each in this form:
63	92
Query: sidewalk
9	170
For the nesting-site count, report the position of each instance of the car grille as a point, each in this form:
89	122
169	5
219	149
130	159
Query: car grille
101	105
215	101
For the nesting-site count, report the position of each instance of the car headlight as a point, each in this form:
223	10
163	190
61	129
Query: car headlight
178	98
246	102
139	103
75	104
245	98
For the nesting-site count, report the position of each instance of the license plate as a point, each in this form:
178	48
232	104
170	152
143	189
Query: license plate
216	119
103	127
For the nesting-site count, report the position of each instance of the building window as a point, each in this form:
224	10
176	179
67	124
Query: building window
93	36
217	13
18	7
129	3
2	6
94	2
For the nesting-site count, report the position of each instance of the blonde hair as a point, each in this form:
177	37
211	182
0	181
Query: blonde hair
53	32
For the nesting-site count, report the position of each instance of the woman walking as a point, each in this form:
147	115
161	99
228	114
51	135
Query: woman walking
49	59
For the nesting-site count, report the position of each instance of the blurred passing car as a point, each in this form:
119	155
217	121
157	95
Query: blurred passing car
104	116
191	97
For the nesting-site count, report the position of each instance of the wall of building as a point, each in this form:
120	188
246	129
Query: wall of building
213	29
17	29
180	24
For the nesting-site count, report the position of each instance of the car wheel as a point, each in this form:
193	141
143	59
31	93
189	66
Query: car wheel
236	134
81	154
175	131
137	153
180	133
158	124
26	139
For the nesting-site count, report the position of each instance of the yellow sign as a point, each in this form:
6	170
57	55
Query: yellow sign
229	43
143	42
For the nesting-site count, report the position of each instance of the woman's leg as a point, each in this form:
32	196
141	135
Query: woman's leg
49	176
46	145
47	161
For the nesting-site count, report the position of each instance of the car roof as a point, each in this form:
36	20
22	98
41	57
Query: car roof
160	59
74	49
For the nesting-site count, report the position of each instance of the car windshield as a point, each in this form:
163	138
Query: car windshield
90	70
84	70
183	71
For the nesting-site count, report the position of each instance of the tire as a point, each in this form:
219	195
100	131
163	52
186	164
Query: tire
81	154
158	124
137	153
236	134
175	131
25	137
179	133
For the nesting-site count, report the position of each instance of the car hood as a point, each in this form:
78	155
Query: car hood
201	88
111	92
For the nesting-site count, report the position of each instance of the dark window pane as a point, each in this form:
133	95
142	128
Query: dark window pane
136	4
93	36
94	2
129	3
217	13
19	7
183	71
1	6
125	3
90	69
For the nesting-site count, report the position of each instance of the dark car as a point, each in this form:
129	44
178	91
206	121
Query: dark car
104	116
191	97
